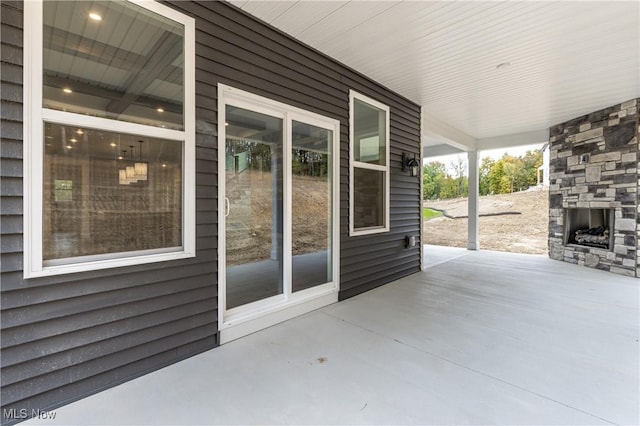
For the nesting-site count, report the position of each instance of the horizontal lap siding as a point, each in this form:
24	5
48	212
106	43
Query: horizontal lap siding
68	336
236	50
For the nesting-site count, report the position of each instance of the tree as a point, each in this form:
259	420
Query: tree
459	167
530	163
512	172
433	174
508	174
485	167
449	188
498	183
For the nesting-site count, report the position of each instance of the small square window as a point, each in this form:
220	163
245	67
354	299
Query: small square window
63	191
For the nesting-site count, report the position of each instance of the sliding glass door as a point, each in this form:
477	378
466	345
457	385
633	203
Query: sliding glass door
254	205
312	209
279	213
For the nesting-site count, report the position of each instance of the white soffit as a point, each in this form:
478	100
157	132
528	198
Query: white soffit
567	58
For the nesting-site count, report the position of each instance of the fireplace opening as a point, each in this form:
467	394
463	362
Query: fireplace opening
589	227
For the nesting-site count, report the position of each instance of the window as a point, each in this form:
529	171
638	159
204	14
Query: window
369	166
109	135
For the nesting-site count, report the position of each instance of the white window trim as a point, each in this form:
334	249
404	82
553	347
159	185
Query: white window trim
353	95
246	319
33	124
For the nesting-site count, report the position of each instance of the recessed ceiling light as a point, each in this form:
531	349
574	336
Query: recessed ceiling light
67	90
74	140
112	144
160	110
68	147
94	16
226	124
164	165
503	65
80	131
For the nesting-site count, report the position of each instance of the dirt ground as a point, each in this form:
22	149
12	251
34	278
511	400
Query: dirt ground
250	221
249	225
526	232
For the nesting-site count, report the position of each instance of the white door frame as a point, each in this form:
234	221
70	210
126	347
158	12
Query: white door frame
246	319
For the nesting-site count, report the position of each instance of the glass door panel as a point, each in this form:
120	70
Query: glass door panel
254	206
312	209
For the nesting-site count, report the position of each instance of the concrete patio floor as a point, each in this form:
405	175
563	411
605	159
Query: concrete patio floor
477	338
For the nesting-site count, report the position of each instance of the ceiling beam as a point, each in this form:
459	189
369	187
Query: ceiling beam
92	50
433	127
161	56
438	150
92	88
512	140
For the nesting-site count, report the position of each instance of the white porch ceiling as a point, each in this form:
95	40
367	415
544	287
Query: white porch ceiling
567	58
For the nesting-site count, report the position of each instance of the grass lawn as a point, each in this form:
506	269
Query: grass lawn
430	214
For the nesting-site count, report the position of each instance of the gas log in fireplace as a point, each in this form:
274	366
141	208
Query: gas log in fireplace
589	227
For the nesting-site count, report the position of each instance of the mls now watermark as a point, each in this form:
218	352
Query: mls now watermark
23	414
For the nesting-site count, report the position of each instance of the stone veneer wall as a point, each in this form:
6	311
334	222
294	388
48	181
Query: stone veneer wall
609	179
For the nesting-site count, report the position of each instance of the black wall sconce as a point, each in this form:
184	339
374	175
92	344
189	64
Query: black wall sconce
411	164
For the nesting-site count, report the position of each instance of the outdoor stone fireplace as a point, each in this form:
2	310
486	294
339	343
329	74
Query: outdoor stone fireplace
594	213
589	227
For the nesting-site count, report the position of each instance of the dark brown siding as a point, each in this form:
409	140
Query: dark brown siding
67	336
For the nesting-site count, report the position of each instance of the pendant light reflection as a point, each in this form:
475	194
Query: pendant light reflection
123	176
133	171
141	168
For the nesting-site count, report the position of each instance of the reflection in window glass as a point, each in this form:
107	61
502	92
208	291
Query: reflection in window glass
88	209
126	65
368	204
311	205
254	201
63	190
369	134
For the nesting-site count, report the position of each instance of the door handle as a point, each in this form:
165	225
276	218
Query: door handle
227	206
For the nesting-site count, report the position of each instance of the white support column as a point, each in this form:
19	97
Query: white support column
474	193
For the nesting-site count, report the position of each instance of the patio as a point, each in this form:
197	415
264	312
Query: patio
479	337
